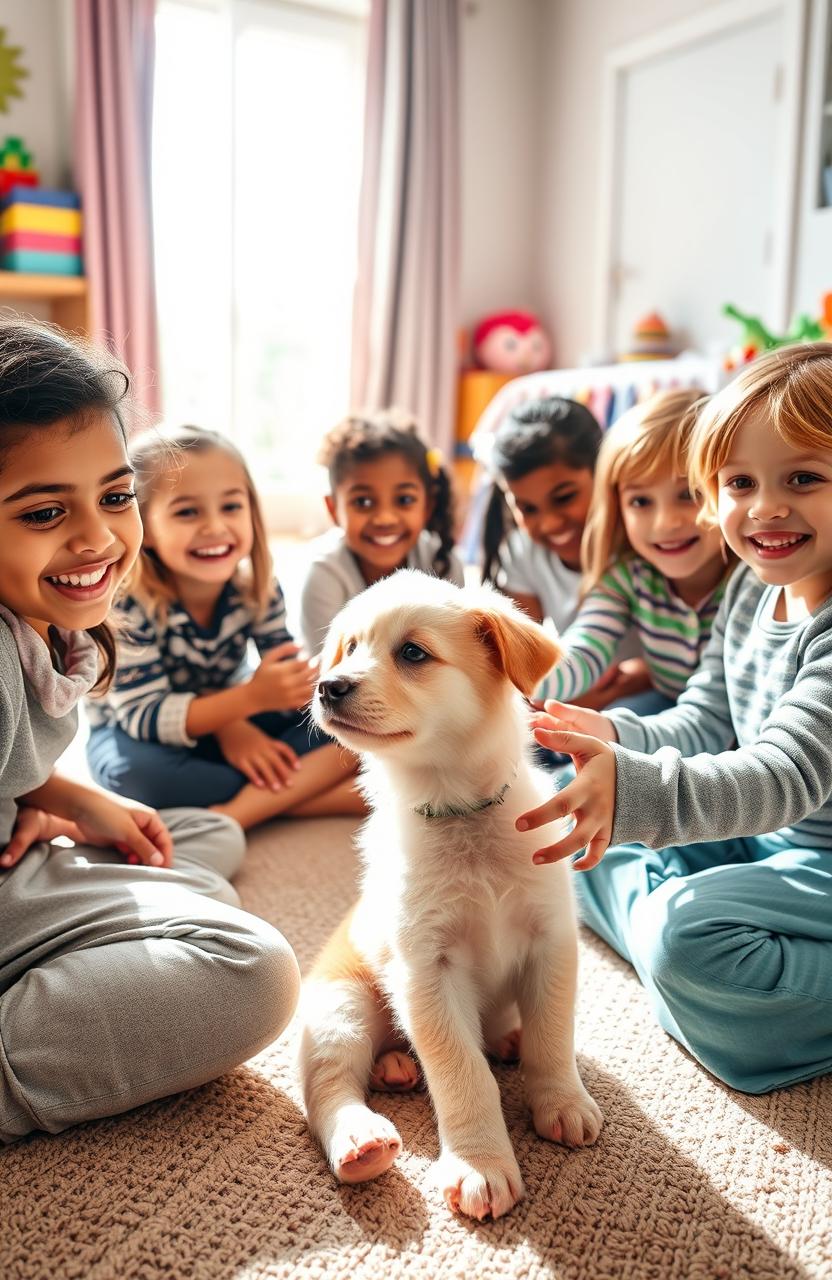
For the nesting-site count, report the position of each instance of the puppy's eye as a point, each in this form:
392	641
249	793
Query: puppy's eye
352	645
412	652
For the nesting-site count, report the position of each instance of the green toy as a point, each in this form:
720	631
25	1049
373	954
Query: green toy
756	337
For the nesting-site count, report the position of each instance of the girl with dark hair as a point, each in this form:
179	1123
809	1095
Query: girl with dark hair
186	721
391	498
542	460
107	994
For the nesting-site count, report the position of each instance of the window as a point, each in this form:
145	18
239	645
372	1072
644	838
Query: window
257	160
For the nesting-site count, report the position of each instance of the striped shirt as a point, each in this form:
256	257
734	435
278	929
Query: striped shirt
747	750
161	669
633	594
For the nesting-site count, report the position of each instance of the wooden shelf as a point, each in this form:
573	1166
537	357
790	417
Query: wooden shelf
66	296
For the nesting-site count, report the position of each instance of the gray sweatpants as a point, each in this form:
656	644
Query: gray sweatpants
121	984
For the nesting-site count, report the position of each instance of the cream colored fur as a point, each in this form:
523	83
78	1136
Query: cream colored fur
457	938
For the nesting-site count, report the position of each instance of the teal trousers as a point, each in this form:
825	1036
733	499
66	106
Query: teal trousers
733	943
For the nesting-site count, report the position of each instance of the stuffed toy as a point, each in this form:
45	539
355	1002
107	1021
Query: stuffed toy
512	342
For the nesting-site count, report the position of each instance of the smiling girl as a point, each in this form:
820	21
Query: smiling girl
542	460
185	720
107	994
724	906
391	500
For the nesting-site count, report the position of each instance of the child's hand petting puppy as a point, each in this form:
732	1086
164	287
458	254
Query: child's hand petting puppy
589	798
564	715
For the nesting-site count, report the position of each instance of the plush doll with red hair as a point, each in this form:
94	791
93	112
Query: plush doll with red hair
512	342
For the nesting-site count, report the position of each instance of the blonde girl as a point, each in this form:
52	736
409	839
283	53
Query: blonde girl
185	719
391	501
649	564
110	975
717	886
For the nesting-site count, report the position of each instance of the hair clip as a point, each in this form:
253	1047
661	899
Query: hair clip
435	461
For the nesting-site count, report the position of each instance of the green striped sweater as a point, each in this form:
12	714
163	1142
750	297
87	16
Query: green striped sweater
633	594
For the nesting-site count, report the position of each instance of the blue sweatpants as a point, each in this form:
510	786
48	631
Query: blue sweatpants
733	943
165	777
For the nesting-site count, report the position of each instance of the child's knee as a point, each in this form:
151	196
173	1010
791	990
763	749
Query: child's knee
692	937
212	840
269	990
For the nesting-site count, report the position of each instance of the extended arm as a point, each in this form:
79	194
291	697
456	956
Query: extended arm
590	643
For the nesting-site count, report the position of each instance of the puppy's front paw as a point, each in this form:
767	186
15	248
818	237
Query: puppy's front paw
480	1189
363	1145
566	1113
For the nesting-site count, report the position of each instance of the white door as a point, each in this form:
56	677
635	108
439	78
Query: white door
700	138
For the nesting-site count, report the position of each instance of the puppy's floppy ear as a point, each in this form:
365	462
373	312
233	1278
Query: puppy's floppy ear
333	650
518	647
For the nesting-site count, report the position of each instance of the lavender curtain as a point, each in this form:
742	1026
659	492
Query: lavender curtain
405	317
114	84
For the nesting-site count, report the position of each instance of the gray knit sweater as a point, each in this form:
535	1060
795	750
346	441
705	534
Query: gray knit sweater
38	712
747	750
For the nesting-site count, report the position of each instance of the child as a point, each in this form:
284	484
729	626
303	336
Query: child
391	498
649	564
184	722
543	460
114	980
729	923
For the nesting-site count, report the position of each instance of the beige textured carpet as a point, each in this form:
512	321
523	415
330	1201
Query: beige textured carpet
687	1180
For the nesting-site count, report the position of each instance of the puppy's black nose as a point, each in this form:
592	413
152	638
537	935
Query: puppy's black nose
333	691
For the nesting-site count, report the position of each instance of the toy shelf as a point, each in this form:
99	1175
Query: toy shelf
67	297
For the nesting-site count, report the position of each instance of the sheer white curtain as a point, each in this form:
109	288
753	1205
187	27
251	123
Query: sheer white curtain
406	301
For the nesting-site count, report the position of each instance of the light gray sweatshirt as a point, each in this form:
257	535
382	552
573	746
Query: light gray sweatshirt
747	750
333	578
38	708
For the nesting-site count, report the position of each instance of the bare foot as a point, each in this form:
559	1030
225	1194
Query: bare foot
363	1145
565	1112
479	1188
507	1048
394	1072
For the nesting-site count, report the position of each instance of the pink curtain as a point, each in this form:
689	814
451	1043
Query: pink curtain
406	312
114	85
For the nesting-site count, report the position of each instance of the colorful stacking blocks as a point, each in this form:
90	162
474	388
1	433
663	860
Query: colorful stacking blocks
40	231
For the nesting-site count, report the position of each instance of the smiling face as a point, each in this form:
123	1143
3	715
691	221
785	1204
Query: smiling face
382	506
69	525
660	520
775	510
552	505
198	520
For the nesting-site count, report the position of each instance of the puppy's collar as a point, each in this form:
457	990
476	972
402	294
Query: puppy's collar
455	811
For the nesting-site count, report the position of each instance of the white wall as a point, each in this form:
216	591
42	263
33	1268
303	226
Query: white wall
576	36
501	156
41	117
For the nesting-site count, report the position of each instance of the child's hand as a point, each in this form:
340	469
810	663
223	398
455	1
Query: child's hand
132	828
622	680
565	715
283	682
33	826
265	761
100	820
589	798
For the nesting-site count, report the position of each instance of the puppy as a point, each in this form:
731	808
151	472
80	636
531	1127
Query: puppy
457	937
